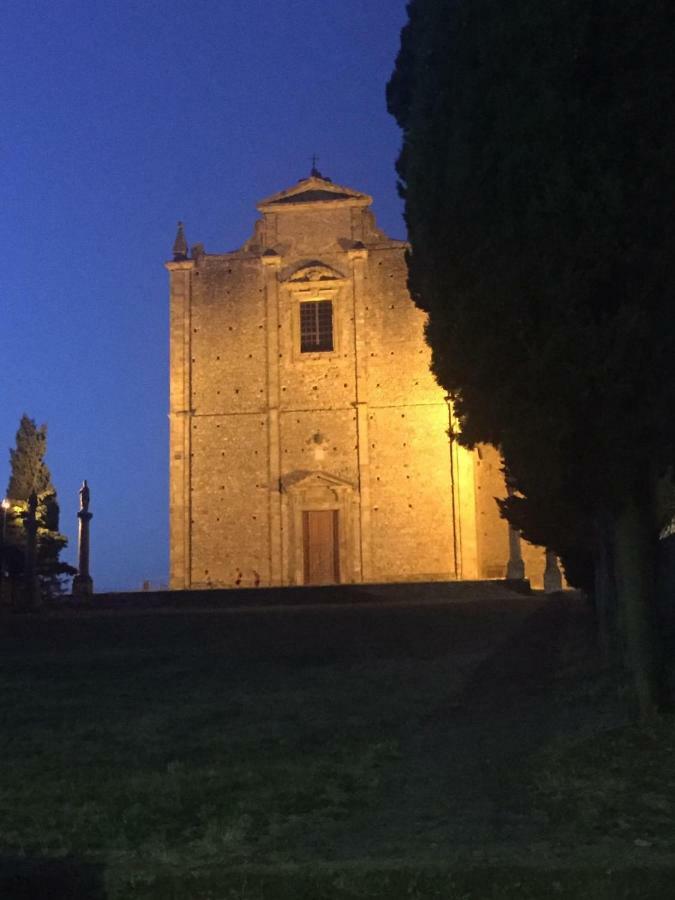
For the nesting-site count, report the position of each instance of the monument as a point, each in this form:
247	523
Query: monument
83	585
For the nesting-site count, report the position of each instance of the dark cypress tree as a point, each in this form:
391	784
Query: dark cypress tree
538	168
29	473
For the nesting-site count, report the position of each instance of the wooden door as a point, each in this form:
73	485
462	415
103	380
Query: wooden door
320	546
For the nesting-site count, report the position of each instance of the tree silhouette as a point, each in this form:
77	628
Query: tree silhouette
29	474
538	168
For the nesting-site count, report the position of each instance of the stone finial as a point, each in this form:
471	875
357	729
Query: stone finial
180	246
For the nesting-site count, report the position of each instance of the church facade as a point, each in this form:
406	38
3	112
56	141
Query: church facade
309	441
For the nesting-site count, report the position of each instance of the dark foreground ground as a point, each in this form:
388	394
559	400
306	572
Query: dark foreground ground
452	749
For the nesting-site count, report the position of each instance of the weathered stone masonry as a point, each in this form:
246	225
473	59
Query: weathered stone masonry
292	465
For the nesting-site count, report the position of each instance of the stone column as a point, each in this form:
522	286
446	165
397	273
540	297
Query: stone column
552	574
31	583
83	586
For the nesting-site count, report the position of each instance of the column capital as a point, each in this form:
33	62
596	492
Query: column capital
358	251
271	259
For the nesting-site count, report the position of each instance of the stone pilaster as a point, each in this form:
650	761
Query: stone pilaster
466	508
463	503
358	257
180	413
271	263
515	568
454	489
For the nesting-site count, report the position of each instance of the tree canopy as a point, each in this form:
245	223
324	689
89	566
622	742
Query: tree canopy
538	170
29	474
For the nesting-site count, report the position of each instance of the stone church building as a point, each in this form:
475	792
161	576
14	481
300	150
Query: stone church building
310	443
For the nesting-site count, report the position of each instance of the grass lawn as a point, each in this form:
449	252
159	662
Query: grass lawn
451	751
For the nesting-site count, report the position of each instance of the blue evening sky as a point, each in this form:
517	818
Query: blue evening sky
118	119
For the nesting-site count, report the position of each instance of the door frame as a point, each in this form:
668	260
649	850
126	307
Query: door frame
306	513
309	491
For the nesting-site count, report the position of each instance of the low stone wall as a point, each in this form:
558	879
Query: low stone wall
413	592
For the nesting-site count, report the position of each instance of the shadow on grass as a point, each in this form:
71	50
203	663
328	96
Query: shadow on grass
371	883
44	878
530	661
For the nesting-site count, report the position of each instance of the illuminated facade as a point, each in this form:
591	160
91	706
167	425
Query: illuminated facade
309	439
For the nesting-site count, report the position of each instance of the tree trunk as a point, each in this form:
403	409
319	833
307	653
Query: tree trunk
636	591
605	593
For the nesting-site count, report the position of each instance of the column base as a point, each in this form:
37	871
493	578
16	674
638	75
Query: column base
83	586
515	570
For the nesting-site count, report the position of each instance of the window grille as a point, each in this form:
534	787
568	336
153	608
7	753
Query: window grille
316	326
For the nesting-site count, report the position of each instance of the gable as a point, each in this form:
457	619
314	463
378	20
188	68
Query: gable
314	191
312	480
314	196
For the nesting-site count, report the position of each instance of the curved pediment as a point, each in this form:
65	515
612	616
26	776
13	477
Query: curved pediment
314	271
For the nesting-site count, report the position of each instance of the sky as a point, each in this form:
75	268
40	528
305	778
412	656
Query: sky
119	119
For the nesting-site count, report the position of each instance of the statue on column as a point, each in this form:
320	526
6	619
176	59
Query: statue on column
84	496
83	585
